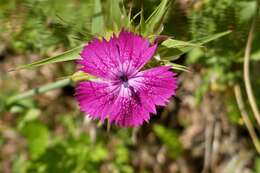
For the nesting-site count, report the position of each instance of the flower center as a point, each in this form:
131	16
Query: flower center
124	79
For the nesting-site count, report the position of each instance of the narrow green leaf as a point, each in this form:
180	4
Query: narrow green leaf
210	38
115	14
66	56
98	24
177	66
154	21
142	22
135	16
141	26
172	43
126	20
172	49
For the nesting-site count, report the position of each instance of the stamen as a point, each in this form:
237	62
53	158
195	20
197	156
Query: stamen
125	84
123	78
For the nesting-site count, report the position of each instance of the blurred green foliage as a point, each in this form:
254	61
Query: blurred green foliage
223	56
223	59
37	136
171	139
72	151
42	26
257	165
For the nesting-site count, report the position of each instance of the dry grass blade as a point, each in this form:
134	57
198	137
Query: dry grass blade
241	106
249	91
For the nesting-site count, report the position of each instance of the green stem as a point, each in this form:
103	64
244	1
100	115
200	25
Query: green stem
39	90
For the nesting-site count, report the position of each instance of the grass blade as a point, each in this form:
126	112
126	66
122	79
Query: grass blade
66	56
98	24
154	21
172	49
210	38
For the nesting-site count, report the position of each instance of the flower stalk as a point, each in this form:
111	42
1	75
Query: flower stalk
39	90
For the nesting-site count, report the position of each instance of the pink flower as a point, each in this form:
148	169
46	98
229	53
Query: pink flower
122	93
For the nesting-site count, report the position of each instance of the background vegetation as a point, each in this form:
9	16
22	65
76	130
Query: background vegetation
201	130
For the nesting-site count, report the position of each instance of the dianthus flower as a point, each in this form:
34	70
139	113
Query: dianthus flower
122	92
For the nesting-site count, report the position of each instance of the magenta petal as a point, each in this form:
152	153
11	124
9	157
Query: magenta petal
156	85
96	59
118	104
127	52
135	49
128	112
127	106
121	93
96	99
